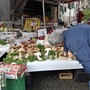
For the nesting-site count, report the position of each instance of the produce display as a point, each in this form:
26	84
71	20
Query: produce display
12	71
6	29
31	24
28	51
3	42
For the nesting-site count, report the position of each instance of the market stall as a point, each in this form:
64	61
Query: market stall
62	63
38	65
47	65
36	54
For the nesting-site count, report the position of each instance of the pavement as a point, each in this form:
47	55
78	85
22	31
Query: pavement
49	80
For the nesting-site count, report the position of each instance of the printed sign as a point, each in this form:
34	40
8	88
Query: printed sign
42	32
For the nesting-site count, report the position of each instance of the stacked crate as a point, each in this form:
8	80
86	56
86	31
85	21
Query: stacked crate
2	81
31	24
27	25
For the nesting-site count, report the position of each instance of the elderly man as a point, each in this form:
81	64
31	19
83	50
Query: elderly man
77	40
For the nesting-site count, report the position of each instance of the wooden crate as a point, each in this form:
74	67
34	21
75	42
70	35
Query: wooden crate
66	75
29	24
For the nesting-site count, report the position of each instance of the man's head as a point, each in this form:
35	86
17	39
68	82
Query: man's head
55	38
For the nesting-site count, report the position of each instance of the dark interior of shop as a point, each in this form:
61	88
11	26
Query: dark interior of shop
34	9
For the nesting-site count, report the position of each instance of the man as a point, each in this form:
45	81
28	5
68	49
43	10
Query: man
77	40
80	16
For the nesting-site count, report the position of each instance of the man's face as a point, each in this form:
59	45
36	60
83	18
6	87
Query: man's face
60	44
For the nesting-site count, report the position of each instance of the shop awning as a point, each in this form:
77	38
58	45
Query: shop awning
17	6
63	1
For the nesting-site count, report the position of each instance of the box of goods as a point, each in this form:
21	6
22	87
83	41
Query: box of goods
31	24
14	74
27	25
2	81
16	84
13	70
66	75
37	23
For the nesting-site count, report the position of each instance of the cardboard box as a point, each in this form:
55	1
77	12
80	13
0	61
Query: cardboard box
66	75
12	71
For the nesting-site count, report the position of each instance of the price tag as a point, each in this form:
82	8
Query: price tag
42	32
7	38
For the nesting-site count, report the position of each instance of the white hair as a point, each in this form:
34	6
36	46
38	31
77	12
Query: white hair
55	38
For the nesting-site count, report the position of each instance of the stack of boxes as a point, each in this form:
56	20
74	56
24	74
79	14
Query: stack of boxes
32	24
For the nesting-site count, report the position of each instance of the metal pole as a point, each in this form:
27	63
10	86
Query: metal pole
43	13
69	16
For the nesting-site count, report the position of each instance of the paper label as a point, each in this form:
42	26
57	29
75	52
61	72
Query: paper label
42	32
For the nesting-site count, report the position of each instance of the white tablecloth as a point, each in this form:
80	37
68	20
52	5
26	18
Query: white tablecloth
4	49
50	65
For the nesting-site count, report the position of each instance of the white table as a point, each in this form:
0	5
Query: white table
50	65
4	49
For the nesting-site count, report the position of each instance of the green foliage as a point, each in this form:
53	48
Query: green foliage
21	61
2	42
41	47
42	50
43	57
52	54
14	53
86	14
32	58
8	59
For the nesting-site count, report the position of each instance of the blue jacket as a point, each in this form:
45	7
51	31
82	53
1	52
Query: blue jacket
77	40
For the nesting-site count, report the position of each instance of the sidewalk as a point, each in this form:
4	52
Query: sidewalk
50	81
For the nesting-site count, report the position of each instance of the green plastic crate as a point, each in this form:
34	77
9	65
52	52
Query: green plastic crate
2	81
16	84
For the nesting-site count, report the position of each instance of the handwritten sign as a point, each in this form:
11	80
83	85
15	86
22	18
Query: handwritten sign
42	32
